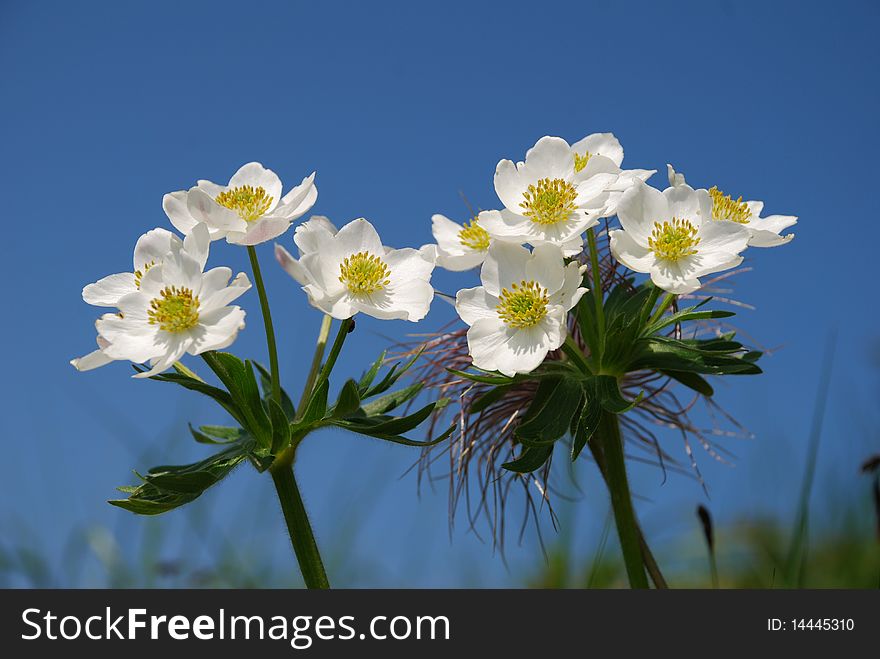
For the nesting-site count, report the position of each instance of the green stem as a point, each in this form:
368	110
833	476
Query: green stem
597	295
572	349
344	328
267	321
621	500
668	299
649	305
323	334
298	527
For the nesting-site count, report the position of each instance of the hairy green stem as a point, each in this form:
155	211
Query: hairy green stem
344	328
572	349
299	528
668	299
597	296
649	305
267	321
621	501
323	335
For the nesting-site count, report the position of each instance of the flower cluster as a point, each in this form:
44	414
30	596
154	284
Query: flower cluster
550	200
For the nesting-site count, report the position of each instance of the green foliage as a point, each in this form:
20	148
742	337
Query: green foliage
267	428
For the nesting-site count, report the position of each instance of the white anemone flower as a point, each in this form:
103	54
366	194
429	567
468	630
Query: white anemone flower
151	248
460	246
349	271
178	309
671	236
546	198
518	315
603	153
247	211
763	231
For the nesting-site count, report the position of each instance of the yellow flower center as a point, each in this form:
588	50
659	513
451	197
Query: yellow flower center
673	240
724	207
550	201
139	274
580	161
364	273
249	202
175	310
474	236
523	305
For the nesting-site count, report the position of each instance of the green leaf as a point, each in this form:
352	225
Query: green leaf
223	432
549	415
691	381
401	424
280	427
240	381
206	438
266	384
349	400
489	378
531	459
610	398
665	354
363	428
317	405
393	375
168	487
587	423
388	402
684	316
370	375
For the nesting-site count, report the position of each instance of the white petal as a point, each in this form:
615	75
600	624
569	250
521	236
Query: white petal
722	235
461	262
760	238
675	178
505	264
631	254
204	209
359	236
307	234
475	303
152	247
220	328
504	224
181	270
509	185
175	206
132	340
547	267
91	361
259	231
339	306
292	266
551	157
639	208
107	291
603	144
684	204
198	243
670	278
410	301
254	174
571	291
299	200
445	232
220	298
708	263
175	346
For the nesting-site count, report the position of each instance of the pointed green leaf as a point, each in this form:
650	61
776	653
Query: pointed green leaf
317	405
280	427
531	459
368	377
610	397
349	400
691	381
391	401
266	384
551	410
587	423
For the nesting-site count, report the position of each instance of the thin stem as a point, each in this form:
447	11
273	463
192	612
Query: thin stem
300	530
323	334
267	321
344	328
621	500
649	305
597	294
571	348
668	299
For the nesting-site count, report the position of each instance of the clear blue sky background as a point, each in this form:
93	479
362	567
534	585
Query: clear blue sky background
399	106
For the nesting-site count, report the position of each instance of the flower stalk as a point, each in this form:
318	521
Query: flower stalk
628	532
267	321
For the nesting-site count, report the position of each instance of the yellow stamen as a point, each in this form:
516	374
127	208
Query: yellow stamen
673	240
724	207
580	161
175	310
474	236
249	202
550	201
523	305
139	274
364	273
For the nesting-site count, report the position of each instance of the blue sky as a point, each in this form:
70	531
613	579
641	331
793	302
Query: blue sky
400	107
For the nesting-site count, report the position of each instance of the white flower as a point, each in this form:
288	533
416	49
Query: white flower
602	153
177	309
519	313
763	231
94	359
460	246
546	199
672	236
349	271
150	249
248	211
